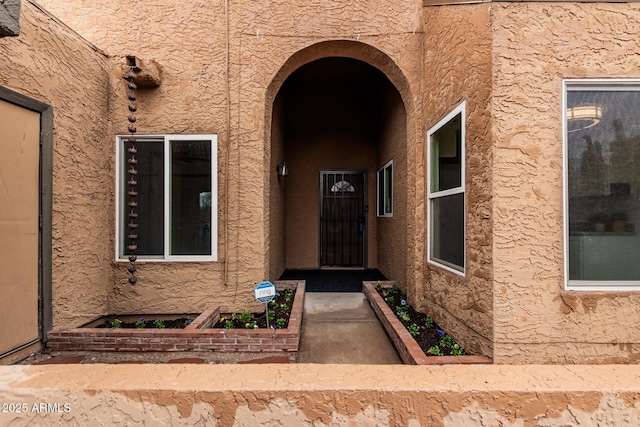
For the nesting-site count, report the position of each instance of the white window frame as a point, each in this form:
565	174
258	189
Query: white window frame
587	85
461	110
384	171
120	194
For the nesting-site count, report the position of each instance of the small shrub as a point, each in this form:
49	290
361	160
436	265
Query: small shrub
116	323
158	323
281	323
140	323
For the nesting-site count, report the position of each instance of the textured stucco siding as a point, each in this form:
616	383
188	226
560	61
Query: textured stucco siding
391	233
52	64
266	43
458	68
536	45
321	395
276	198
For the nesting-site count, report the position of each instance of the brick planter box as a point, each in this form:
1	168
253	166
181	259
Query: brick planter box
408	349
195	337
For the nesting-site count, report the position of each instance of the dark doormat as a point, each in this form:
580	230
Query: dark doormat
333	280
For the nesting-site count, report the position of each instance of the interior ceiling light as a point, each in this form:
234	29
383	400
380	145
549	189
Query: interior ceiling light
583	117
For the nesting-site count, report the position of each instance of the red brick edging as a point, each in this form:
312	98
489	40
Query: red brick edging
408	349
195	337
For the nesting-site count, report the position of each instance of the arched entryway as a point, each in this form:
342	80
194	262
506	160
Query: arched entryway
340	125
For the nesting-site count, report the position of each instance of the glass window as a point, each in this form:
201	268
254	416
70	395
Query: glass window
385	190
445	147
602	181
176	201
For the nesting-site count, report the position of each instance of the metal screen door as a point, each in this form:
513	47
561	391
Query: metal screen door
342	218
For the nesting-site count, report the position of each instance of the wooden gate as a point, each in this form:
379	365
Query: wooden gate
25	211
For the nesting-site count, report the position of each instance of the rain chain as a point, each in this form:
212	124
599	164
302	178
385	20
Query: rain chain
132	182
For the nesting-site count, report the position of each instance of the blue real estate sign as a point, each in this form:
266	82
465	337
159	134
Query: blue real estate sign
265	292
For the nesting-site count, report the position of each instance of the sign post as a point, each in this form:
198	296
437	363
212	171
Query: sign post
264	294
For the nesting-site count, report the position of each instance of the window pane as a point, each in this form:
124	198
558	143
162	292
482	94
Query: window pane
388	187
448	230
603	151
150	197
190	184
381	192
446	159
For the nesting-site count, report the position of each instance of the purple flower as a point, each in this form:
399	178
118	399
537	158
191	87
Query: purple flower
403	302
440	332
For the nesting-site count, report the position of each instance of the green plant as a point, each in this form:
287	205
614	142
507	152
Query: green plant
284	307
158	323
414	330
288	295
140	323
456	350
188	322
281	323
251	325
389	300
116	323
378	286
428	322
402	313
271	316
228	324
447	341
243	317
435	351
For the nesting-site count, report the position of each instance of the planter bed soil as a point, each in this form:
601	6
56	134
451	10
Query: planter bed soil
407	347
199	335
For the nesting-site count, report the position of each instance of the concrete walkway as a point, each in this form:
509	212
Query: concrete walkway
341	328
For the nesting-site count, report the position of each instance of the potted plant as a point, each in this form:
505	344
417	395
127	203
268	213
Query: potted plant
618	222
598	221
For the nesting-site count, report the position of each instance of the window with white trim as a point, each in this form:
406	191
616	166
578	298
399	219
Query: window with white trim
177	197
602	183
446	192
385	190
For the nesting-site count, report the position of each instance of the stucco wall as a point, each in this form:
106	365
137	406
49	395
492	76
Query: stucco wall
392	232
458	68
276	201
52	64
198	89
321	395
536	45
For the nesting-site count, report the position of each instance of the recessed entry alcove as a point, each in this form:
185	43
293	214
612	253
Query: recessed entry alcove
337	122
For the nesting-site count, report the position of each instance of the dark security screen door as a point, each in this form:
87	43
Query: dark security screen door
342	218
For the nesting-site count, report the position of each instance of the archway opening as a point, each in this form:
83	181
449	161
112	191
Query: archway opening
339	124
